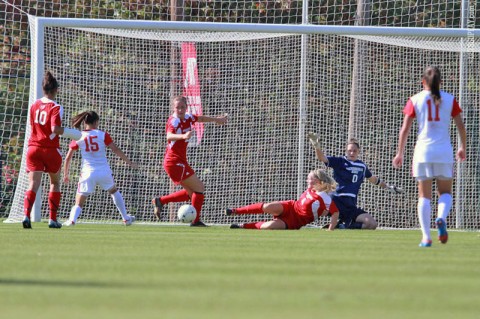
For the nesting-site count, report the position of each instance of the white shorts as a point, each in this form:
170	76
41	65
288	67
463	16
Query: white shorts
89	180
425	171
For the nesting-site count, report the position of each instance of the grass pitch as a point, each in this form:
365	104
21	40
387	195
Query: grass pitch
111	271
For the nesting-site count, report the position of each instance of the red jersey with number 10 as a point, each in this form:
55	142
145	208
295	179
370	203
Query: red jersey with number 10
177	150
44	114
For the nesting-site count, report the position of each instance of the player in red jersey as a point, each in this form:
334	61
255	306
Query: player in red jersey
179	130
433	154
293	214
43	153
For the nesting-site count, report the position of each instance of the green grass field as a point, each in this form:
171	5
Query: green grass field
112	271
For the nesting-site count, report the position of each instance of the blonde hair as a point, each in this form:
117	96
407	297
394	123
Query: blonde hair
179	98
322	176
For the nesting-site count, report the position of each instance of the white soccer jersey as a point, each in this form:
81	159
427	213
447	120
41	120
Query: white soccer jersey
93	148
433	142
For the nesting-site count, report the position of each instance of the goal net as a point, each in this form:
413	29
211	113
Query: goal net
276	83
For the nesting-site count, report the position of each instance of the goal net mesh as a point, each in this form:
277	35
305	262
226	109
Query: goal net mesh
355	86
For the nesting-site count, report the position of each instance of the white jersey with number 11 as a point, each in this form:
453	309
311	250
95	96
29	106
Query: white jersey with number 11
433	142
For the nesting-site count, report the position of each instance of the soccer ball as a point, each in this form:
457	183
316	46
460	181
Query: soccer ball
186	213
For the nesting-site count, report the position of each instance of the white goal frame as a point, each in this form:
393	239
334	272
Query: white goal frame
40	23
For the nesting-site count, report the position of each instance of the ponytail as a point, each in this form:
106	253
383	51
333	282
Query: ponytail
87	117
432	78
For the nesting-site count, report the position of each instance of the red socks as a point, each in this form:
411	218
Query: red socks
197	202
256	208
180	196
54	203
28	202
257	225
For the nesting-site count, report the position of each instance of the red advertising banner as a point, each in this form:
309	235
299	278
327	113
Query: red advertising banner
192	86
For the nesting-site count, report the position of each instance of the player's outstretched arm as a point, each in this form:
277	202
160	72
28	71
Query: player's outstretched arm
71	133
220	120
315	141
122	155
391	188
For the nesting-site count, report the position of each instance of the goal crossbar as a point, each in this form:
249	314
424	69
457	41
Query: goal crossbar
258	27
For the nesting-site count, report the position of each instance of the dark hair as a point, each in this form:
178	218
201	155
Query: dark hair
87	117
432	79
49	83
353	141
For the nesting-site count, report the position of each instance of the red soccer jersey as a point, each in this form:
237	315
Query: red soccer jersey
44	114
177	150
311	205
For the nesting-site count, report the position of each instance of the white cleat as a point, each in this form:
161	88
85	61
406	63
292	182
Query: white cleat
129	221
69	223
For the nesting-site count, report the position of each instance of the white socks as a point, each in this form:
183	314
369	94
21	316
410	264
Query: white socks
74	213
424	214
120	203
444	205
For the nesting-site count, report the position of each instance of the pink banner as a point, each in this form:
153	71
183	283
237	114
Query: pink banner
192	84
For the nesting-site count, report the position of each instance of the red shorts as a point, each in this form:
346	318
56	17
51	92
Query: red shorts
290	217
40	159
178	171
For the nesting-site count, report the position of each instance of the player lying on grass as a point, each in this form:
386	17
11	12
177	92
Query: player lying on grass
95	168
293	214
349	172
179	130
433	155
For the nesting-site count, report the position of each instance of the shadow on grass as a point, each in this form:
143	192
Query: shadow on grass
60	283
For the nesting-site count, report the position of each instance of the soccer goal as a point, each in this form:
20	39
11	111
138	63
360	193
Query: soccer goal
276	82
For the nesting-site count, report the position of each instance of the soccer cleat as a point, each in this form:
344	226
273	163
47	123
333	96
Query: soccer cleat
26	223
54	224
442	230
157	210
130	221
228	212
236	226
198	224
69	223
427	243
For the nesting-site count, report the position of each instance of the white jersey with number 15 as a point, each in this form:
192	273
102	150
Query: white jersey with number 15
433	142
93	148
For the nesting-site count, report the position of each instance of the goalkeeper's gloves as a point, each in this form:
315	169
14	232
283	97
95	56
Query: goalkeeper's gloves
314	139
394	189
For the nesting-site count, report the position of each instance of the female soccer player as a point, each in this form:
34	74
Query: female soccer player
349	172
433	154
43	153
95	168
293	214
179	130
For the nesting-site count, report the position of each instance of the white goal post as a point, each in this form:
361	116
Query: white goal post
274	89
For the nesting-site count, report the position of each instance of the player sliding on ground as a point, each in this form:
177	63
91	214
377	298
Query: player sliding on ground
179	129
95	168
43	153
350	172
433	155
293	214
